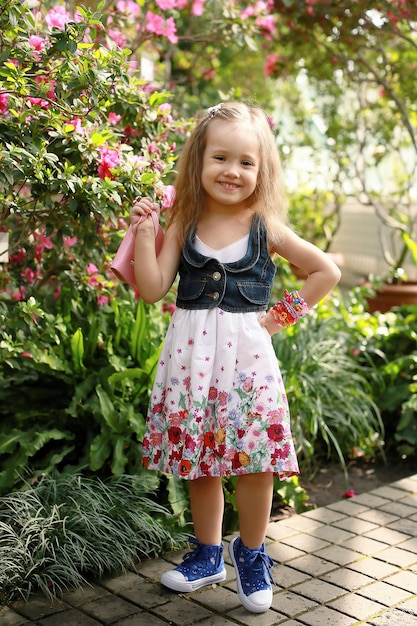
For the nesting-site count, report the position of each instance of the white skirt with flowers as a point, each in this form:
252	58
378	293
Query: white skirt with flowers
218	405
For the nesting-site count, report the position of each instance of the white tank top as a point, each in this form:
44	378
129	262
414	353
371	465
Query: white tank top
229	254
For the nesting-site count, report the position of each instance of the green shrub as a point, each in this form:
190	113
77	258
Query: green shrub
389	342
75	385
330	394
81	135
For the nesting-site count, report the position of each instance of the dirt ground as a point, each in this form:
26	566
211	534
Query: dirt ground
329	484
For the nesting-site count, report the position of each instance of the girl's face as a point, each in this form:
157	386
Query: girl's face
231	163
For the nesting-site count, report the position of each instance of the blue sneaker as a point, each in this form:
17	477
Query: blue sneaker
254	578
202	566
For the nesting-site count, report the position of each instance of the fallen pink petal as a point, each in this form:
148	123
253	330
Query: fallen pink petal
350	493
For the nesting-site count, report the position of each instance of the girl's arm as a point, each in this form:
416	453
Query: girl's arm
322	273
154	274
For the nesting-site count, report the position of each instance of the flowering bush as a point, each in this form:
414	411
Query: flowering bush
80	137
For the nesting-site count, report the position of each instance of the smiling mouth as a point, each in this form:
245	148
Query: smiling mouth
228	185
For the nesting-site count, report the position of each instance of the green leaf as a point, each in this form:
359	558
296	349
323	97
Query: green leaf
109	412
177	495
100	450
10	66
411	245
77	350
120	459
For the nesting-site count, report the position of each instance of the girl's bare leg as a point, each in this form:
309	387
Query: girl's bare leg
254	500
207	508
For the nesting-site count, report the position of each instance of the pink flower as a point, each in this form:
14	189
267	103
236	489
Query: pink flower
156	24
248	12
44	241
19	257
39	248
197	7
114	118
149	88
38	102
37	43
43	81
3	103
169	196
69	241
137	161
128	7
165	111
102	300
152	147
121	223
168	307
26	355
78	18
19	294
109	160
166	5
170	31
131	132
117	37
267	23
270	64
29	276
76	122
92	269
350	493
58	17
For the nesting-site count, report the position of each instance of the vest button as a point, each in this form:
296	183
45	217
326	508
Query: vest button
215	295
217	276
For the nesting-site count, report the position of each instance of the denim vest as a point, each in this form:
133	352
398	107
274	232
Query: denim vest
241	286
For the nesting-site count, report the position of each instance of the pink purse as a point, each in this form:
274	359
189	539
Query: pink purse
123	263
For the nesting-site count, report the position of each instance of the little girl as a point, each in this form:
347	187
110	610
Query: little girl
218	405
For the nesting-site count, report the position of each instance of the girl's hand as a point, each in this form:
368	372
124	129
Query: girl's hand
267	321
141	209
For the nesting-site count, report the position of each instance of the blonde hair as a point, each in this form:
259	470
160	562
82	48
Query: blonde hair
268	197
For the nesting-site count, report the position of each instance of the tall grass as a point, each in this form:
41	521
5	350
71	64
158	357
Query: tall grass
66	527
333	413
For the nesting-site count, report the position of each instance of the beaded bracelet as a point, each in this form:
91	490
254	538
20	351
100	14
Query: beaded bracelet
288	311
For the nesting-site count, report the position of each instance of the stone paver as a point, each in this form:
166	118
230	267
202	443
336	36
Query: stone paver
351	563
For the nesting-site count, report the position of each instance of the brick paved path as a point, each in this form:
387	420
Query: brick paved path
351	562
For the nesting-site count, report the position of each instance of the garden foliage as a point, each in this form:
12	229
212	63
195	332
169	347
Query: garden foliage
80	137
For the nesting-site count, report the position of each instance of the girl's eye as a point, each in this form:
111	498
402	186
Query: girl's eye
219	158
247	163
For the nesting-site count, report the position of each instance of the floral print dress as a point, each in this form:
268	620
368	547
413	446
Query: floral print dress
218	405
